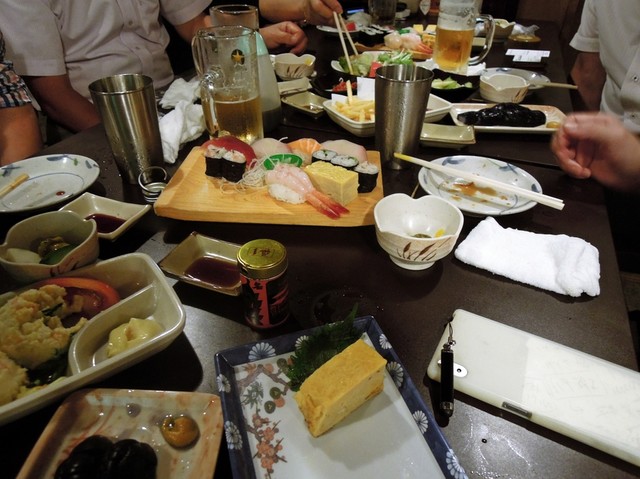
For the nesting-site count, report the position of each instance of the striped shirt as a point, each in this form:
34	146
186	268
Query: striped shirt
13	91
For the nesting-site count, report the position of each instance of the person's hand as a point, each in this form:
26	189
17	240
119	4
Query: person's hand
598	146
285	34
320	12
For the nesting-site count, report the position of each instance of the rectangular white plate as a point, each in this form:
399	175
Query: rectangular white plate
392	435
553	115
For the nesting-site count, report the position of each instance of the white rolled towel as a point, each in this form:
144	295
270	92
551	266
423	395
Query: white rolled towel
180	90
184	123
559	263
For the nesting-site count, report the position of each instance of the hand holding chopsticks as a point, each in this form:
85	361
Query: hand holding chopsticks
342	30
498	185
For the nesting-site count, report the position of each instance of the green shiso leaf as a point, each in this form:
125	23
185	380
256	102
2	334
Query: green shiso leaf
318	348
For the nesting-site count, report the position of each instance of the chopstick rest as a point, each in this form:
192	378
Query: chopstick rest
559	263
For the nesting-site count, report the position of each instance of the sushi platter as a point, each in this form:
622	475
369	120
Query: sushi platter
193	196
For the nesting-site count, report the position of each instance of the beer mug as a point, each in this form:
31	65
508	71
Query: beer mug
235	14
454	34
227	65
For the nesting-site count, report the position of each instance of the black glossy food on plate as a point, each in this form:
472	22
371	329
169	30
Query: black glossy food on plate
504	114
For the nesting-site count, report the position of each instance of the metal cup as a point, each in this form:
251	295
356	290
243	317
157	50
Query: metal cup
127	106
401	94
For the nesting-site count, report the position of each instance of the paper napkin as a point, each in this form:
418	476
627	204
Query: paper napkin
559	263
180	90
184	123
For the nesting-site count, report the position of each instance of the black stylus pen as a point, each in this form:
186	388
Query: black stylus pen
446	375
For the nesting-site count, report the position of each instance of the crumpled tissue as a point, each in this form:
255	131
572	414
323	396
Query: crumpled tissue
180	90
184	123
559	263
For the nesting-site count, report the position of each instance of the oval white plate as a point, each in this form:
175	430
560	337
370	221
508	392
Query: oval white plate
334	31
480	203
52	179
531	77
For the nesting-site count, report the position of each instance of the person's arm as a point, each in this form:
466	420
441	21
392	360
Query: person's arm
61	103
285	34
589	75
598	146
19	133
189	29
315	12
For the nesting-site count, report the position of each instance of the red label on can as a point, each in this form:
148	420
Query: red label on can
266	301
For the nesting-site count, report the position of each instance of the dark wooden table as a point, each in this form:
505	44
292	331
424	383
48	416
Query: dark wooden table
411	307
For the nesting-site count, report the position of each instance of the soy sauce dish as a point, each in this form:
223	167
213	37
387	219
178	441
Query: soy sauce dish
112	217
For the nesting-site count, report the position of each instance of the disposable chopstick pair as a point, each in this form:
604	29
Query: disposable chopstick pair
14	184
342	31
545	200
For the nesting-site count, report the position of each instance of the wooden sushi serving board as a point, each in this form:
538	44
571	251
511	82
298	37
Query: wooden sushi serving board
193	196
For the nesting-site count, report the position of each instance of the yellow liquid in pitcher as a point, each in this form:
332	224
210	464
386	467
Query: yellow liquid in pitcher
453	49
240	118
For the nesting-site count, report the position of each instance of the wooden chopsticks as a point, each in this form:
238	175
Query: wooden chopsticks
342	30
498	185
14	184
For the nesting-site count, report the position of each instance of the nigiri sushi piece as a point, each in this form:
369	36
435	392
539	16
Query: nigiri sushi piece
265	147
305	148
346	147
290	184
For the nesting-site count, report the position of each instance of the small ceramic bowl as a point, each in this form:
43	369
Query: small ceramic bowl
417	232
113	217
503	88
468	85
503	28
291	67
28	233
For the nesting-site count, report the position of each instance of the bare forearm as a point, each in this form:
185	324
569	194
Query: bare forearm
589	75
62	104
19	134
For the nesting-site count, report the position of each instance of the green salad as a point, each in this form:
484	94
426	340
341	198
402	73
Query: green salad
365	64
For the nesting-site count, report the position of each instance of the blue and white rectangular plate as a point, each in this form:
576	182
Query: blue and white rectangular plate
392	435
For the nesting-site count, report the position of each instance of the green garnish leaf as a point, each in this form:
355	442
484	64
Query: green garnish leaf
317	349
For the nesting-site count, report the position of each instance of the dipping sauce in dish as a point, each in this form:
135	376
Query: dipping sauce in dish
216	271
105	223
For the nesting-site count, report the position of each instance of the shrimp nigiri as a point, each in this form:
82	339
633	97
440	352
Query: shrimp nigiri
289	183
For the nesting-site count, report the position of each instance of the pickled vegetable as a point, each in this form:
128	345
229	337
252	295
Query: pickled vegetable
179	432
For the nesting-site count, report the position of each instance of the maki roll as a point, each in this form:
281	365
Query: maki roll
346	161
367	176
227	157
323	155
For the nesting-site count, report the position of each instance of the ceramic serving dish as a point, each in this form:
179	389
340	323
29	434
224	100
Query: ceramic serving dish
417	232
447	136
131	414
144	294
437	108
112	217
468	85
307	102
206	262
503	88
289	66
28	233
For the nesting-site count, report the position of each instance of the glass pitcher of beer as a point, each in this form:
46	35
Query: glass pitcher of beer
227	64
454	34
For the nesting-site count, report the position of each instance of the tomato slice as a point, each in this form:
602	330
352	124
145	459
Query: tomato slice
97	295
374	67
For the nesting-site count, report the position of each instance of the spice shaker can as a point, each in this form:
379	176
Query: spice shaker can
265	291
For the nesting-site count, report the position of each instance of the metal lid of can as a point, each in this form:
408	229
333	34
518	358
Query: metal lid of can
262	258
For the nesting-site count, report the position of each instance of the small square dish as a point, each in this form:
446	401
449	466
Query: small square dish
437	109
206	262
131	414
307	102
112	217
447	136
